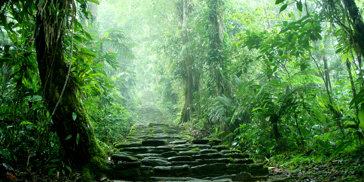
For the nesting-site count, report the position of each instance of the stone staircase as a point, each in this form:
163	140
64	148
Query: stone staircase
165	152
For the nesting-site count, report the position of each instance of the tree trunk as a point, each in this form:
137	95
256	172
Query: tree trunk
216	37
357	24
188	77
82	149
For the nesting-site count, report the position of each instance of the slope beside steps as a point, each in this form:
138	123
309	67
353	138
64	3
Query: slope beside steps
165	152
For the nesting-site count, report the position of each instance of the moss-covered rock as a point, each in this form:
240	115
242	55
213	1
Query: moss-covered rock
169	154
180	158
168	171
181	163
178	142
258	169
141	156
205	151
123	145
210	161
237	168
121	157
208	156
189	153
209	169
155	162
243	176
126	165
201	146
220	147
135	150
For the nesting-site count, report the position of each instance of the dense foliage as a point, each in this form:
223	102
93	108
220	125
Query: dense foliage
104	76
273	78
269	77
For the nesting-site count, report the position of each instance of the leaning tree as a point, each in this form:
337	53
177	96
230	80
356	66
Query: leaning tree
50	22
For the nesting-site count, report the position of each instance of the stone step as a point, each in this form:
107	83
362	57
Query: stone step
160	152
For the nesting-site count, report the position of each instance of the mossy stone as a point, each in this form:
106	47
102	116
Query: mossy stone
201	146
208	156
169	171
258	169
124	165
169	154
123	145
205	151
208	169
121	157
154	142
237	168
179	158
220	147
155	162
243	176
189	153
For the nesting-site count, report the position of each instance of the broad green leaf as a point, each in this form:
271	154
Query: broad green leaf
292	15
299	5
69	168
86	22
256	109
51	171
106	34
230	134
100	65
55	160
25	123
283	8
279	1
74	116
239	73
68	137
94	1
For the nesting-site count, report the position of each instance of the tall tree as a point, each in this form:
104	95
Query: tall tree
187	62
70	121
216	36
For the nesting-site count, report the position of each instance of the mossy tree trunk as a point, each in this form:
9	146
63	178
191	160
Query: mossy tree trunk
187	62
216	38
82	148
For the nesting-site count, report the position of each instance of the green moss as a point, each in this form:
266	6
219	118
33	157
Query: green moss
94	169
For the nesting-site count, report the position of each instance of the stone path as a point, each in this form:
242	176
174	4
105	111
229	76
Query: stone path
156	150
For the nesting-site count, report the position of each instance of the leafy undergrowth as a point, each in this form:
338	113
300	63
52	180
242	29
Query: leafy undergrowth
300	167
